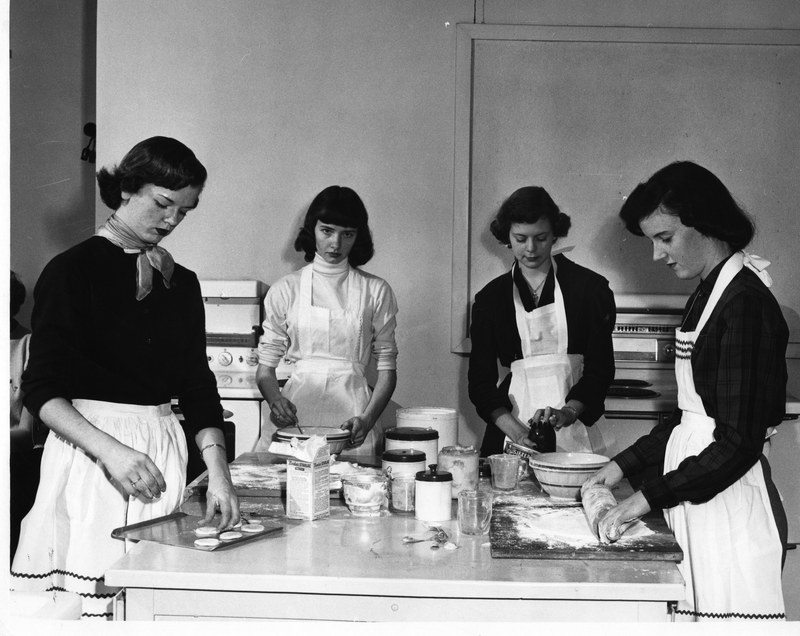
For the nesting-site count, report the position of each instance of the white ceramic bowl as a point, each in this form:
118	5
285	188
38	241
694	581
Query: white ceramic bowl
336	437
561	475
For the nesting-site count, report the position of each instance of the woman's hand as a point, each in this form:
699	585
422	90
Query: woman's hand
616	520
221	496
609	475
133	470
283	412
557	418
358	427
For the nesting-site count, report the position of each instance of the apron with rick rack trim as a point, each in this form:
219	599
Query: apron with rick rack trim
65	541
732	551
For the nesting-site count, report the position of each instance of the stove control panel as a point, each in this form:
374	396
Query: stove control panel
232	359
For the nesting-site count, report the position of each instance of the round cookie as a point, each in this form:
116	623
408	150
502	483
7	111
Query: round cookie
206	531
230	536
253	528
207	542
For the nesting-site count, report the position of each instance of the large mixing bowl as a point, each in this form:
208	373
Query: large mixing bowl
336	437
561	475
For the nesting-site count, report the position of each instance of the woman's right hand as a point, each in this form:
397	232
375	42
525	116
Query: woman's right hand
133	470
283	412
609	475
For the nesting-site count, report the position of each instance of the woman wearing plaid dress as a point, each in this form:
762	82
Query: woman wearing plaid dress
716	490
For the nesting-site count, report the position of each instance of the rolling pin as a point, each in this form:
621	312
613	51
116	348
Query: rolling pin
597	500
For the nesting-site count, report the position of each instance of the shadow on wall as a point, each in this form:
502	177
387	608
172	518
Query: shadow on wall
626	260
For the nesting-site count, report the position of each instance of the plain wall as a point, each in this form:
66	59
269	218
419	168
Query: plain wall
52	81
282	99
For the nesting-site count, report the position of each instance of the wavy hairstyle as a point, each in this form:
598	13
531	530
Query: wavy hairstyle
338	205
160	161
697	197
528	205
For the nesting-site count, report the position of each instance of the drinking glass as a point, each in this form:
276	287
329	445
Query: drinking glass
474	511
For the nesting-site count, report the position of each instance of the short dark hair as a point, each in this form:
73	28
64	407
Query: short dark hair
697	197
160	161
528	205
17	293
338	205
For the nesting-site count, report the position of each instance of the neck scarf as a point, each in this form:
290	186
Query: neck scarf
151	256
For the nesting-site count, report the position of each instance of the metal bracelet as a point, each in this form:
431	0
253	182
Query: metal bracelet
207	446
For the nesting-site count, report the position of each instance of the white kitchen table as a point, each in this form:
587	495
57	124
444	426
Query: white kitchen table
348	568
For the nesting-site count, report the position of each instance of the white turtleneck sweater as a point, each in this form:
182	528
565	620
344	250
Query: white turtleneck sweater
330	290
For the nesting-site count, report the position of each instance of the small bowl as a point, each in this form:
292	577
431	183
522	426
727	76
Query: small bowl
561	475
336	437
365	494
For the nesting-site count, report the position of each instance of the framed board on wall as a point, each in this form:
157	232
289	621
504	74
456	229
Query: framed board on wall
589	112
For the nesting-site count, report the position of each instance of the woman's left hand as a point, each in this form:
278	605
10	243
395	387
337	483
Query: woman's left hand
557	418
358	427
221	496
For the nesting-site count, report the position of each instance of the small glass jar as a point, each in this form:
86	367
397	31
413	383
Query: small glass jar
462	463
402	488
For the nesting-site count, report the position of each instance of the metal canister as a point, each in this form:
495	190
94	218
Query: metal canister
416	437
432	495
402	461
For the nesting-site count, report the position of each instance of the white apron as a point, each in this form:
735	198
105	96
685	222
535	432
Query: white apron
65	540
732	551
328	385
547	372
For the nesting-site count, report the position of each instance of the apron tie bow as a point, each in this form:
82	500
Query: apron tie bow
151	256
759	266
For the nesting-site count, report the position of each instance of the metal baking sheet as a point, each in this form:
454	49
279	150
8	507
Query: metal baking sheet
178	529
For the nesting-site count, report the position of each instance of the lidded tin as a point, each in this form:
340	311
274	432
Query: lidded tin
416	437
403	461
432	495
462	463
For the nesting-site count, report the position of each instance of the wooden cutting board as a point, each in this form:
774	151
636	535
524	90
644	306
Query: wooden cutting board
543	528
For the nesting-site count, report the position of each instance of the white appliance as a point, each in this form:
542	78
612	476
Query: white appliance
233	324
235	370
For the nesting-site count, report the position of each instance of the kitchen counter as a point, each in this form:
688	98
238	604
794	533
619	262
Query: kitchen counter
358	569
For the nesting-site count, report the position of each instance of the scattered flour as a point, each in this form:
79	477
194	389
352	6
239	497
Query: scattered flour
565	525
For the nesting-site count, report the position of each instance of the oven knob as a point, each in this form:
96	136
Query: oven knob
225	358
669	352
252	358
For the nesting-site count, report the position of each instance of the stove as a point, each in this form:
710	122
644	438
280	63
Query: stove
644	390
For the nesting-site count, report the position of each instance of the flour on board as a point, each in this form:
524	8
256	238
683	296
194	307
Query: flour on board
564	525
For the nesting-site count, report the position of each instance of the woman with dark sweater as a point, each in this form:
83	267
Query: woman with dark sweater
549	320
117	331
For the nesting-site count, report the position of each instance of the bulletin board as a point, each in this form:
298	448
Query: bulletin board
589	112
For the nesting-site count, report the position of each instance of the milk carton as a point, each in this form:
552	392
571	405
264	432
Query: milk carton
308	482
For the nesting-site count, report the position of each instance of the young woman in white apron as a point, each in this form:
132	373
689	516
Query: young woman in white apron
327	321
549	321
118	331
547	372
716	492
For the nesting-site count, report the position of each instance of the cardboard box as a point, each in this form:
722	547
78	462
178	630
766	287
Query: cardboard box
308	485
